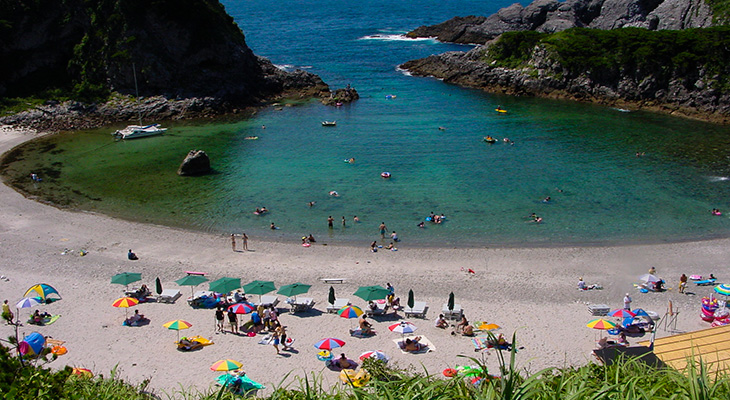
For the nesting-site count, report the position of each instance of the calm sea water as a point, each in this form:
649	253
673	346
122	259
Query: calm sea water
582	156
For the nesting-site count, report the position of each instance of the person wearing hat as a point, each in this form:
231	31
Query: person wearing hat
627	302
581	284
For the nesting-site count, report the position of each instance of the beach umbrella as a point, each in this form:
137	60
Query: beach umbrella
125	278
28	302
649	278
602	324
158	286
621	313
331	297
369	293
226	365
32	344
723	289
43	290
191	280
350	312
639	312
125	302
411	302
241	308
259	287
177	325
403	327
376	354
450	303
225	285
294	289
83	372
329	344
487	327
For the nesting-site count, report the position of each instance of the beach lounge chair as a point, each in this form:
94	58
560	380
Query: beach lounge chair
339	303
419	310
302	304
169	296
382	308
268	301
452	314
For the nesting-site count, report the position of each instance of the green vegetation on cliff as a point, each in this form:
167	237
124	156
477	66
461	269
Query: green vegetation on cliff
720	10
607	54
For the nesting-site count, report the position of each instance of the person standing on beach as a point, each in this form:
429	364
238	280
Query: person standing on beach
233	319
219	317
382	230
275	341
343	221
330	222
245	241
627	302
682	283
233	242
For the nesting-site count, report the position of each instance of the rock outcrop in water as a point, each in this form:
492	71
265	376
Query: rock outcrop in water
553	16
341	96
195	163
181	49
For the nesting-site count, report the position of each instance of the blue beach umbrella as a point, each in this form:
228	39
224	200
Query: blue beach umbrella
723	289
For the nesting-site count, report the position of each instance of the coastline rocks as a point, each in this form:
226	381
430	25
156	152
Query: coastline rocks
552	16
545	77
341	96
195	163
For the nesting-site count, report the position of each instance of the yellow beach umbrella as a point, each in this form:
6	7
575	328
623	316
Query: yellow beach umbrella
602	324
487	327
177	325
125	302
226	365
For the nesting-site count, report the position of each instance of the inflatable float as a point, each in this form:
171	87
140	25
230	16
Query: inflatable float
385	174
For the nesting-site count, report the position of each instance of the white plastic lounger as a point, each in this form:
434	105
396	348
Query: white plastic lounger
339	303
419	310
302	304
169	296
452	314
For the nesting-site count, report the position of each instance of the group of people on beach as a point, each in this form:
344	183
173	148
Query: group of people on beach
244	239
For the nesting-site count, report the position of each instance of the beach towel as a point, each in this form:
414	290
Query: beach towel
481	343
424	340
359	334
46	320
268	339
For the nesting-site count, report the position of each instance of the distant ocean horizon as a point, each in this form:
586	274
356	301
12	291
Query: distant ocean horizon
427	134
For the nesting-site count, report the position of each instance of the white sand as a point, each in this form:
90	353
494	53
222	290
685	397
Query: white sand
531	291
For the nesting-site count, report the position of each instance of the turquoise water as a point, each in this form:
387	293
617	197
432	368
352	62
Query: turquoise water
582	156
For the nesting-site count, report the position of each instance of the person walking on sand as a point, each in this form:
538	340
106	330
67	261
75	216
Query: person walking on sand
330	222
282	335
275	341
627	302
245	241
382	230
7	314
233	242
219	317
682	283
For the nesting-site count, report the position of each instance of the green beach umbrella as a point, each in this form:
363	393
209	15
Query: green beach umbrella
294	289
368	293
225	285
191	280
410	302
158	286
259	287
331	298
450	304
125	278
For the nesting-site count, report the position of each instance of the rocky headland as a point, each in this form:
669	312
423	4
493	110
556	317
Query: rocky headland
189	57
552	16
548	49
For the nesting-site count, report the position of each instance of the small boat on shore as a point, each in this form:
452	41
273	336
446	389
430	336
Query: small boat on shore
329	123
138	131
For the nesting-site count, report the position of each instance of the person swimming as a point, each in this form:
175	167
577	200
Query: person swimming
334	193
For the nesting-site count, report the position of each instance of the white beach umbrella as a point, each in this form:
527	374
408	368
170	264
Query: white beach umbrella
28	302
649	278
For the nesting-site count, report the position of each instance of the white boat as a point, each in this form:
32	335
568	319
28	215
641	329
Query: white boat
138	131
329	123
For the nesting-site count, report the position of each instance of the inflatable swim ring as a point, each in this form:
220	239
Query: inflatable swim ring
450	372
59	350
490	139
718	213
306	244
385	174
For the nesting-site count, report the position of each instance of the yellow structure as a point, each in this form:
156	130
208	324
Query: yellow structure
711	345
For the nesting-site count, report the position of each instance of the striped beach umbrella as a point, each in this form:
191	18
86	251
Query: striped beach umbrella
350	312
621	313
602	324
177	325
723	289
226	365
125	302
241	308
329	344
403	327
376	354
43	290
28	302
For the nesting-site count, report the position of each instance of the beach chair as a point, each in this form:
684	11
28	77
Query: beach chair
268	301
452	314
339	303
169	296
381	309
302	304
419	310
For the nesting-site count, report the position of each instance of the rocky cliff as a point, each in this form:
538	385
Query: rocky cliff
179	49
677	72
553	16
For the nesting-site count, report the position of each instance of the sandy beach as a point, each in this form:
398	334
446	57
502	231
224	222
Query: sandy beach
530	291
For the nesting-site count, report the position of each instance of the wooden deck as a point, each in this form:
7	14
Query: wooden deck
712	345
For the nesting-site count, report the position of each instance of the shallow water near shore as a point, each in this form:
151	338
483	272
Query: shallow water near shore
582	156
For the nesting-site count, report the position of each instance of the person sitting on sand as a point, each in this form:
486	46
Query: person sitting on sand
374	246
413	345
135	318
343	362
365	327
463	323
441	322
311	238
390	246
131	255
395	304
582	284
468	331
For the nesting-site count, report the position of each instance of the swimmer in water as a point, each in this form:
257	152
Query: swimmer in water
274	226
355	219
421	224
351	160
334	193
546	200
312	203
